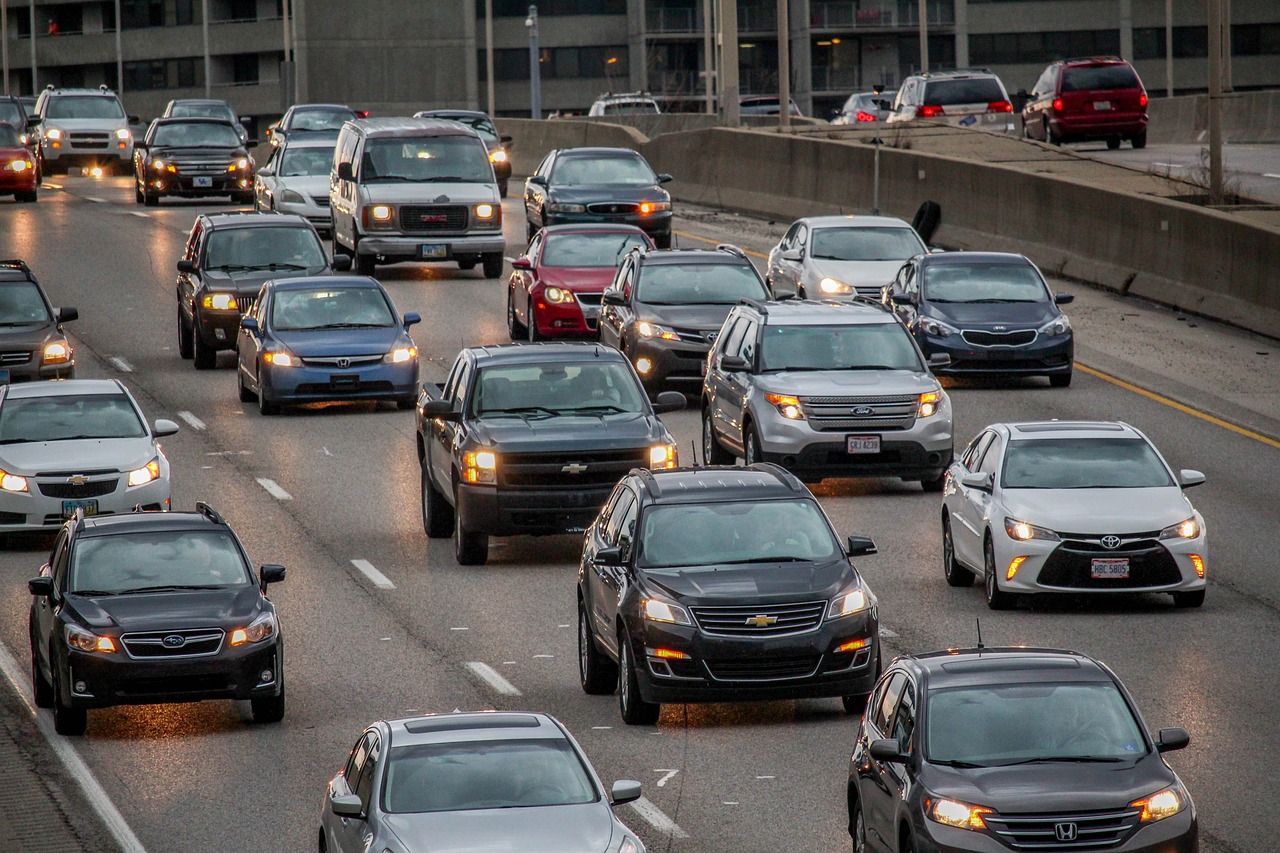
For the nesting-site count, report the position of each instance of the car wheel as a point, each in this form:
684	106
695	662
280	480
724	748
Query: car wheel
469	548
266	407
246	396
934	484
662	241
1060	380
635	711
502	189
492	264
67	721
41	688
184	337
365	264
467	264
1113	142
531	330
956	574
26	197
1188	599
1139	139
908	844
338	248
996	599
268	709
751	445
514	327
857	825
437	514
530	231
1049	135
855	704
150	199
713	453
597	674
204	356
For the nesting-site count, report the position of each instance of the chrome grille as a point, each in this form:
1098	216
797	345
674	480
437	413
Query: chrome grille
613	207
998	339
705	337
85	139
78	490
857	413
433	218
15	357
1088	830
197	642
336	361
754	621
1128	541
585	469
202	167
321	200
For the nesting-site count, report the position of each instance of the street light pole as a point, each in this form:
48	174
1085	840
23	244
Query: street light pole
204	32
488	53
784	65
708	55
119	55
286	68
924	35
535	69
4	41
35	83
1215	101
729	62
1168	48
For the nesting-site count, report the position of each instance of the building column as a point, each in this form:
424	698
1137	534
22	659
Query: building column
1126	30
638	46
801	56
962	33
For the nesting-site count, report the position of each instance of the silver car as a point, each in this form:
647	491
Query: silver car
295	179
473	782
970	98
840	257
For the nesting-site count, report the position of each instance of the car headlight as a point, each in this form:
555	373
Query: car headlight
282	359
663	456
1188	529
80	639
657	610
400	355
480	466
239	165
162	166
220	302
262	628
12	482
53	133
18	165
648	207
499	156
957	814
1022	531
630	846
145	474
930	401
292	197
57	352
562	207
1057	326
381	212
557	295
123	133
937	329
485	211
833	286
1161	804
848	603
653	330
788	406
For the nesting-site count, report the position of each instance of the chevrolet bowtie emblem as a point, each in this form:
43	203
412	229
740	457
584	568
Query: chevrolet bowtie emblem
762	621
77	479
573	468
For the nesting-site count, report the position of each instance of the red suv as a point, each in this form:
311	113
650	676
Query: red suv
1078	100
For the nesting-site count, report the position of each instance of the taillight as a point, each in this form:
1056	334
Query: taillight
1057	104
861	116
1142	99
929	111
999	107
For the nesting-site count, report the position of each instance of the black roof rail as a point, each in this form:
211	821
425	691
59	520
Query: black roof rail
757	304
209	513
650	482
729	247
790	480
15	263
1093	59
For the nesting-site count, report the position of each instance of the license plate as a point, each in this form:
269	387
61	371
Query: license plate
862	444
1102	105
1110	567
202	183
69	508
434	250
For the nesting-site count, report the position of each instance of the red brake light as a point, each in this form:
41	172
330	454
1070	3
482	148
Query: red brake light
999	107
1057	104
361	113
929	111
1142	99
861	116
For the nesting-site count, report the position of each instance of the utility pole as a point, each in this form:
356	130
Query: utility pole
708	55
35	82
204	33
535	67
286	68
729	91
488	53
1168	48
119	55
1215	101
784	65
1226	46
4	42
924	35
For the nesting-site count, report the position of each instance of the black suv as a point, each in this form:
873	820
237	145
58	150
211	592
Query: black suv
1018	748
145	608
227	258
193	158
666	306
721	584
32	343
530	438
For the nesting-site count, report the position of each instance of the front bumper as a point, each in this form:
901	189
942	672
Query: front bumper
50	500
219	329
669	363
185	186
1177	834
319	215
576	319
398	248
652	224
1045	356
34	367
306	383
17	182
68	153
533	512
1069	565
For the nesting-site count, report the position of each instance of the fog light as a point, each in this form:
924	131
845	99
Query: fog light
851	646
669	654
96	171
81	687
1013	567
1198	562
266	676
644	365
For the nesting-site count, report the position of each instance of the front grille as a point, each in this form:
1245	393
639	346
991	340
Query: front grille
199	642
426	219
588	298
15	357
203	167
174	685
337	389
85	139
859	413
739	621
764	669
78	490
12	518
613	207
93	473
704	337
998	339
586	468
336	361
321	200
1089	830
1072	567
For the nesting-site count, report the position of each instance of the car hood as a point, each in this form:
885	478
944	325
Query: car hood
984	315
85	454
14	152
184	155
577	279
821	383
1099	511
83	123
309	185
857	273
248	282
607	192
586	828
27	337
757	583
163	611
333	342
703	317
568	433
430	193
1052	787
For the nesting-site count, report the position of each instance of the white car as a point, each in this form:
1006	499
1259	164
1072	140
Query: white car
834	257
80	444
1074	507
295	179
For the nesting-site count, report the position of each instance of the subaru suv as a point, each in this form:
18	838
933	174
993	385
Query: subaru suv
973	98
825	389
82	127
1079	100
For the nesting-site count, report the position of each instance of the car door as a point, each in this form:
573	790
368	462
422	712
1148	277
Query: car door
250	342
622	525
348	833
736	388
45	608
522	281
878	789
187	283
614	318
264	185
535	194
897	778
606	582
445	434
715	381
975	506
777	272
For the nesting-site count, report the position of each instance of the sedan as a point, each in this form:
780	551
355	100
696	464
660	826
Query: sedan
614	185
17	166
866	108
473	781
295	179
555	286
834	257
192	158
1071	507
311	121
326	338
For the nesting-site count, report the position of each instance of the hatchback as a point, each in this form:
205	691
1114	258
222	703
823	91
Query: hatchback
1078	100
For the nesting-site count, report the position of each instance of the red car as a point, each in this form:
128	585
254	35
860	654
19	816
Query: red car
17	168
1079	100
555	286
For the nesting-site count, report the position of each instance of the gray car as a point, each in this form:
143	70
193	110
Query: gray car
473	782
32	342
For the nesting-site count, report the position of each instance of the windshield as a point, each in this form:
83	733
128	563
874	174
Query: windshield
631	108
83	106
70	416
980	90
1090	77
203	111
597	387
865	244
493	774
317	121
1083	463
480	124
882	346
11	113
21	303
589	250
699	284
9	136
622	170
263	248
993	725
306	162
157	559
329	308
983	283
702	536
449	159
195	135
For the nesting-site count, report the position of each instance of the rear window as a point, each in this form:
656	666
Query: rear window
979	90
1087	78
11	113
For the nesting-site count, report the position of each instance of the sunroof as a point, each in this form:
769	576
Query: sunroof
445	723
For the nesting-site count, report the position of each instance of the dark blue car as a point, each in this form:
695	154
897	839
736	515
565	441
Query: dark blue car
326	338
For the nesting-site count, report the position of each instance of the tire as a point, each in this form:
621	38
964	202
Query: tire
365	264
137	192
246	396
713	453
469	548
492	262
956	574
406	404
185	343
204	356
1113	142
635	711
855	704
925	222
467	265
530	231
515	328
1188	599
531	330
437	514
857	826
908	844
25	198
67	721
1049	136
41	688
268	709
751	445
246	198
1060	380
996	599
1139	139
266	407
662	241
338	248
502	189
150	199
597	674
934	484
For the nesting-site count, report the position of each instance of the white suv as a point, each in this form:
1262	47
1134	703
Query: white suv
625	103
82	127
973	98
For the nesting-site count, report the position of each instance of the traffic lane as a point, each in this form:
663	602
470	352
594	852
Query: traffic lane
1254	168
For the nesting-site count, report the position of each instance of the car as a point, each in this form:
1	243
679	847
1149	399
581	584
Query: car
1080	507
14	114
1079	100
192	158
33	344
473	781
528	439
563	272
207	108
499	146
864	108
313	121
18	169
834	257
226	259
144	608
613	185
988	749
315	338
624	104
965	97
764	105
991	312
79	444
81	127
825	389
665	308
295	179
722	584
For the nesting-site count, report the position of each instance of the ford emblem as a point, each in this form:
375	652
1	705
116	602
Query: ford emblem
863	411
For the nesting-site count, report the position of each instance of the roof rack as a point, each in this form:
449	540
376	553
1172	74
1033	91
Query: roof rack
209	513
1093	59
650	482
729	247
15	263
757	304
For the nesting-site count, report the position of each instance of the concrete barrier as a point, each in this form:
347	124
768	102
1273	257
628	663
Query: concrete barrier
1247	117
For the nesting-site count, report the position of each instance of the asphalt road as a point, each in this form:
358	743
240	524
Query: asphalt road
1252	171
757	777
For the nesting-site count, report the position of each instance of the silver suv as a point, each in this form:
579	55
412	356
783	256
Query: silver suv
825	389
82	127
966	97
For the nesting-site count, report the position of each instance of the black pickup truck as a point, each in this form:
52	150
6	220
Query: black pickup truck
531	439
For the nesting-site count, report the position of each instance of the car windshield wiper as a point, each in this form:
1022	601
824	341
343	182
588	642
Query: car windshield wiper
450	179
275	266
391	178
764	560
1104	759
597	410
997	301
96	592
957	763
66	438
10	323
171	588
797	368
233	267
340	326
875	367
523	410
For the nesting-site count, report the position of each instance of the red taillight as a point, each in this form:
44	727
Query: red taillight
929	111
362	113
999	107
1057	104
1142	99
861	116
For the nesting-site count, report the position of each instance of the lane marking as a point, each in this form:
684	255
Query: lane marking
459	629
71	760
751	252
766	777
655	817
490	676
1185	409
121	365
140	213
273	489
50	186
1270	175
535	657
95	200
380	580
195	422
601	728
667	774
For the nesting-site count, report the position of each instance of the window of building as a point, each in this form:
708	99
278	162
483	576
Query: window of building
520	8
137	14
561	63
1035	48
1255	39
184	12
244	69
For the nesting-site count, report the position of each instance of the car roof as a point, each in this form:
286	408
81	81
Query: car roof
252	219
407	127
592	228
1091	60
759	482
803	312
1007	665
959	258
309	142
64	388
855	221
727	256
544	352
298	108
15	269
79	90
1036	430
597	151
127	522
308	281
201	101
483	725
956	73
192	120
452	113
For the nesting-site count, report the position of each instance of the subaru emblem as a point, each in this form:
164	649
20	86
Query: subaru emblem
1110	542
1065	831
174	641
344	362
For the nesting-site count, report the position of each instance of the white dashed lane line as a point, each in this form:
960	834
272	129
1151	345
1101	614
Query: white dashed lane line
366	568
192	420
121	365
139	213
490	676
658	819
273	489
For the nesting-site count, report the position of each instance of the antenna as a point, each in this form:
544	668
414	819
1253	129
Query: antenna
979	623
694	446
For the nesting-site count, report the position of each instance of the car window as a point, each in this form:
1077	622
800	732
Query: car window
21	304
881	715
11	113
319	120
308	309
260	248
203	111
443	159
865	244
195	135
67	417
355	763
589	250
607	513
699	284
83	106
864	346
976	90
748	348
461	382
991	457
789	239
304	162
904	722
977	283
625	277
973	453
192	241
1087	78
58	561
622	170
364	784
910	281
8	135
157	559
1084	463
1044	85
626	525
731	340
520	390
700	537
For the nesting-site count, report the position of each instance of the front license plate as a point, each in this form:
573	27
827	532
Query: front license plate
1110	567
1102	105
862	444
69	508
434	250
202	183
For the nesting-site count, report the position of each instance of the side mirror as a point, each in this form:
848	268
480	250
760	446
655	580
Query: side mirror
1021	93
980	480
347	805
251	143
1064	298
66	315
341	263
506	139
1167	740
936	250
668	401
861	546
186	266
902	299
270	573
442	409
345	173
792	255
34	121
244	119
611	556
734	363
886	749
664	178
521	264
1188	477
133	119
411	319
249	324
624	791
140	145
939	359
613	297
164	427
266	172
538	180
41	587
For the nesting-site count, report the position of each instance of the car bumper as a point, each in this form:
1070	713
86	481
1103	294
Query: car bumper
185	186
219	329
35	510
319	216
566	319
663	364
34	370
411	248
1044	356
1048	566
68	153
17	182
535	512
307	384
1177	834
652	224
1086	126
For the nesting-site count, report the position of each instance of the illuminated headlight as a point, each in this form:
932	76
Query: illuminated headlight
788	407
12	482
848	603
485	211
832	286
954	813
382	212
644	365
262	628
25	138
561	207
480	466
241	164
57	352
656	610
929	403
220	302
18	166
629	846
647	207
123	133
1161	804
935	329
1188	529
662	456
653	330
85	641
53	133
1022	531
282	359
1055	327
400	355
557	295
145	474
161	166
499	156
291	197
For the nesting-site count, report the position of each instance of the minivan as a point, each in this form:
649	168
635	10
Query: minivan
1082	100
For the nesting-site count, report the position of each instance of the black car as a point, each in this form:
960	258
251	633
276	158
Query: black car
665	308
530	439
227	258
499	146
1024	749
722	584
32	342
152	607
612	185
991	312
192	158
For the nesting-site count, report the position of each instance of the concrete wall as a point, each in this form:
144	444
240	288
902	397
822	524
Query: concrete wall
1247	117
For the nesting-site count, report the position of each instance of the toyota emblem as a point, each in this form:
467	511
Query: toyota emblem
1110	542
174	641
1065	831
344	362
711	337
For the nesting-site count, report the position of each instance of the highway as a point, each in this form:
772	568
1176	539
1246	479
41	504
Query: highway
1253	171
330	490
